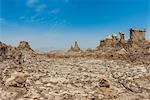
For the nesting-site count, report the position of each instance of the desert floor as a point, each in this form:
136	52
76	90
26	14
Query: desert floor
43	78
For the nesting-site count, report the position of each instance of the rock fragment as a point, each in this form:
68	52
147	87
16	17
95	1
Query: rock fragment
104	83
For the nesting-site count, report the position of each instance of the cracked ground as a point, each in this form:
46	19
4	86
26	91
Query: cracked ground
74	79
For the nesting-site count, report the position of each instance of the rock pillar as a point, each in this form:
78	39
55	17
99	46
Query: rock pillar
122	38
133	35
142	35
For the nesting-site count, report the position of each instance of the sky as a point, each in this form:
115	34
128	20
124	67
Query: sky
56	24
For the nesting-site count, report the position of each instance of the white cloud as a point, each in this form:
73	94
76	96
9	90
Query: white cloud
36	5
41	7
28	19
55	11
31	2
22	17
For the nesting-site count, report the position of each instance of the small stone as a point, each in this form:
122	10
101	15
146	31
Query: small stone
104	83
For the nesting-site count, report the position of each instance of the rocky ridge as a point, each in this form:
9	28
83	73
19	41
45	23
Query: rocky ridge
134	50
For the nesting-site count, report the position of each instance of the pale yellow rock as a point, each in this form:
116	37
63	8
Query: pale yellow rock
122	51
16	77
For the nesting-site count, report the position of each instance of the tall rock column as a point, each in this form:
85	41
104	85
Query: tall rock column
76	46
3	51
114	40
142	35
133	35
122	38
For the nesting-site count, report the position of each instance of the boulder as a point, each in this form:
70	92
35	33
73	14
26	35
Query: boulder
16	80
15	86
104	83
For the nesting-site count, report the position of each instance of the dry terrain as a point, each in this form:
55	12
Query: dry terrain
28	75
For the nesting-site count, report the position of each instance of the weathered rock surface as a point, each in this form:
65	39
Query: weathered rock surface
17	54
14	87
75	78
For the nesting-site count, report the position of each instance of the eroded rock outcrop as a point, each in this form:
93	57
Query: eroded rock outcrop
17	54
76	47
109	41
24	45
3	51
135	49
9	53
137	37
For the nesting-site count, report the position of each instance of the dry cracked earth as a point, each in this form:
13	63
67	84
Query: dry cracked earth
40	77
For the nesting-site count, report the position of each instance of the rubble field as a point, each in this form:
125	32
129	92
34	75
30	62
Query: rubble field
113	71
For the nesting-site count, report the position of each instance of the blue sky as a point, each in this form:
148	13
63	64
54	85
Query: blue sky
56	24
